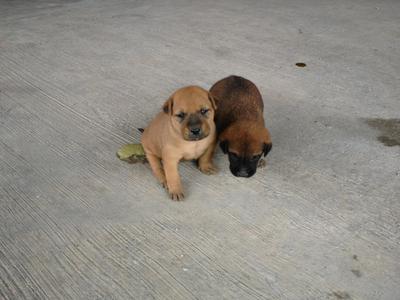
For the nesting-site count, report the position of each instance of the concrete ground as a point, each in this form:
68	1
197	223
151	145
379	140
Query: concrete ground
321	221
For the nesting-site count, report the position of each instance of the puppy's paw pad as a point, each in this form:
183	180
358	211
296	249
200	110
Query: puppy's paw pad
261	163
208	169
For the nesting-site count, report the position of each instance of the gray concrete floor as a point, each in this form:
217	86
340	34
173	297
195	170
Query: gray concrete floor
321	221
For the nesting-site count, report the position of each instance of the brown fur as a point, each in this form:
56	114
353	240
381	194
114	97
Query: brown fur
239	119
168	137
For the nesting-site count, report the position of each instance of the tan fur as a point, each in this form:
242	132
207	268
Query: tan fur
165	139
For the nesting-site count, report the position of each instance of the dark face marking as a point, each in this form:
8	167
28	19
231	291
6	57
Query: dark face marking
193	120
243	166
194	127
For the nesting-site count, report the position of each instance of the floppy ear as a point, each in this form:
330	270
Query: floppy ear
267	144
212	100
266	149
224	146
224	140
167	107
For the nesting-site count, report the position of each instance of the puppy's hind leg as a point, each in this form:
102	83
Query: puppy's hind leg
205	163
157	169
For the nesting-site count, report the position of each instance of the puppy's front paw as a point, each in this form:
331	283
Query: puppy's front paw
208	168
261	163
176	195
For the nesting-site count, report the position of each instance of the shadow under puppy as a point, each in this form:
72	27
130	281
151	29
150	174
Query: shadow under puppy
185	129
240	124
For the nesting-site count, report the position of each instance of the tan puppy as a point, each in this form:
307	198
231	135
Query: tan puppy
185	129
240	124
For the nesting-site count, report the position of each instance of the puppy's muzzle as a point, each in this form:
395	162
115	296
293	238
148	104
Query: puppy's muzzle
195	134
194	129
242	173
241	167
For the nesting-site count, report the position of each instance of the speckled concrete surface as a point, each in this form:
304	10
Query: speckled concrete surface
321	221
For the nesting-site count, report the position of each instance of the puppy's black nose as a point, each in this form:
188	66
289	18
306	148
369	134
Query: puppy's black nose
242	173
195	131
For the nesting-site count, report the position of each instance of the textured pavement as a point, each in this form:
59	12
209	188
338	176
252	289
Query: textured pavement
321	221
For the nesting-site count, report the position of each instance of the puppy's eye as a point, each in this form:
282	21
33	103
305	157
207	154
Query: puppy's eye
255	157
204	111
181	115
233	156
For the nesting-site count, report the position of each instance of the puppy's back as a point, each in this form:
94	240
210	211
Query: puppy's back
237	98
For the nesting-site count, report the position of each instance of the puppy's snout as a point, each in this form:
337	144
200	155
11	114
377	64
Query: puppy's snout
242	173
195	131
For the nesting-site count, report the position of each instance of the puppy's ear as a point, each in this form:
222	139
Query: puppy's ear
266	148
267	144
224	146
213	101
224	140
167	107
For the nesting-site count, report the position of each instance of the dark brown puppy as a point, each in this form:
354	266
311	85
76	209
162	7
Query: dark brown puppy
240	124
